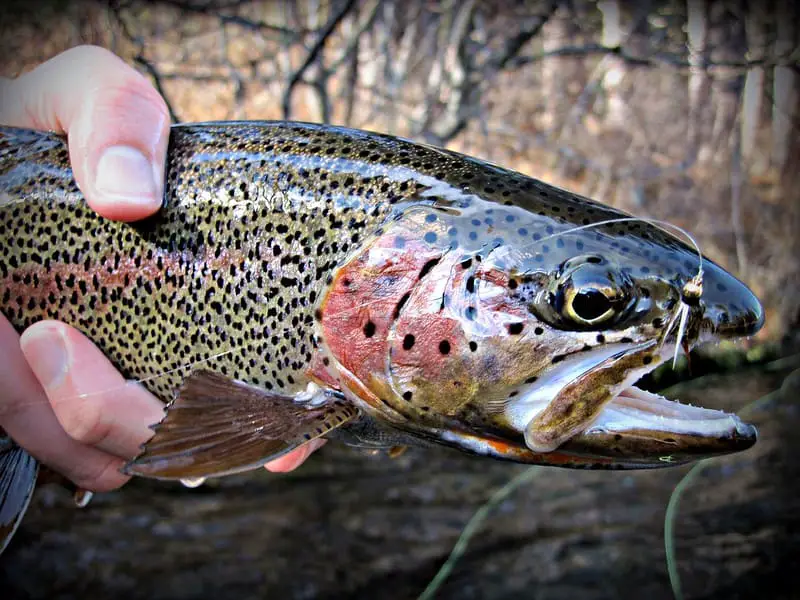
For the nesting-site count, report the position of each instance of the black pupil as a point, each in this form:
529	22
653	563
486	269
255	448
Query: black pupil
590	304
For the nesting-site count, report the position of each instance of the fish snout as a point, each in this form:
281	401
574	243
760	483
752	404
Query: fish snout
731	309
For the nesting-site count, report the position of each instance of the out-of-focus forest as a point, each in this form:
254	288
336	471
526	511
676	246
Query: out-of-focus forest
681	110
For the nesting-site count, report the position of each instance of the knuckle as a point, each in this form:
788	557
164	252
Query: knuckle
133	93
102	477
82	421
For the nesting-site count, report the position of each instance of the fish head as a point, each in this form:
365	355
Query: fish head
527	330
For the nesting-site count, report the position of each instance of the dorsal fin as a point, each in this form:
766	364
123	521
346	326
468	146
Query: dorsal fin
218	426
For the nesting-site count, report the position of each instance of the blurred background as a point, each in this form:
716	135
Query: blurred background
680	110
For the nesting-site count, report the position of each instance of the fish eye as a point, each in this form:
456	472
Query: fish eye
588	306
586	294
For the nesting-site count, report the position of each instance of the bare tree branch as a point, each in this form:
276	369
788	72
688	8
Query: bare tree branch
153	72
144	63
214	8
459	113
658	59
312	55
365	21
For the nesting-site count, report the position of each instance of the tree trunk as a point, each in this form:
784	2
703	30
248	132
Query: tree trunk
557	33
752	100
784	106
697	31
616	113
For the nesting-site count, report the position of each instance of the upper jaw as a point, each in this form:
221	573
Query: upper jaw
635	425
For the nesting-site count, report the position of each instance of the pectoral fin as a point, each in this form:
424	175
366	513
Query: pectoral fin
218	426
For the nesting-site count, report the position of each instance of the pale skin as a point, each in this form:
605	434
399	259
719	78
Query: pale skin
61	399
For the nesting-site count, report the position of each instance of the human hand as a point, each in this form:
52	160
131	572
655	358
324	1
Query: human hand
62	400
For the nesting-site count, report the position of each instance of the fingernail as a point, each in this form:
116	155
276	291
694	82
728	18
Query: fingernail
125	175
46	353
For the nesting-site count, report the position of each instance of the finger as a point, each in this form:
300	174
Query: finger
295	458
116	122
26	415
95	405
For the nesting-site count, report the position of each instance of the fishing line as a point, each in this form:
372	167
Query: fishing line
685	233
157	375
690	293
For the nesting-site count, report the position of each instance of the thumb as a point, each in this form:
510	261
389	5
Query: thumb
117	126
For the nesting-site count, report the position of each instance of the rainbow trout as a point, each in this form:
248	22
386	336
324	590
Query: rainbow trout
304	281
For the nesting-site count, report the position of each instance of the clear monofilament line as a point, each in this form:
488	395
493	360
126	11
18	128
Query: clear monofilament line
685	233
692	288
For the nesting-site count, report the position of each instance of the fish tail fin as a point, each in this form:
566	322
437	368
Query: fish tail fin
18	473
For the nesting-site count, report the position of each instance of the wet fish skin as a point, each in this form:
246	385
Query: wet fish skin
264	224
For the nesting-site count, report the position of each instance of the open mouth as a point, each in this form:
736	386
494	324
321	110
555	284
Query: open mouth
637	409
638	424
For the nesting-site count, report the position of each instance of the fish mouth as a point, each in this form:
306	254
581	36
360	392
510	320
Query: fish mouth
635	426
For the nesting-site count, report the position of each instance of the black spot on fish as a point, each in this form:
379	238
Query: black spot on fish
408	341
401	303
515	328
407	396
427	267
369	329
473	346
444	347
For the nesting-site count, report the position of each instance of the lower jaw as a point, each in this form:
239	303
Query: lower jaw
644	426
637	409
